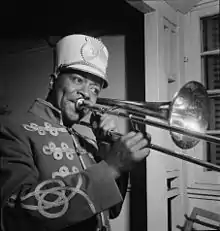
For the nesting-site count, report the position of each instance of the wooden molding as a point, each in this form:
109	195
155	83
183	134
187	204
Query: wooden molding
204	193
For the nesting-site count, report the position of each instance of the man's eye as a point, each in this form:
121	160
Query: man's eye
77	80
95	91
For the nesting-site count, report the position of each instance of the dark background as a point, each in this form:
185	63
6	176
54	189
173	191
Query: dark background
42	19
50	20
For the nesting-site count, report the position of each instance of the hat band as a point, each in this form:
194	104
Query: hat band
83	63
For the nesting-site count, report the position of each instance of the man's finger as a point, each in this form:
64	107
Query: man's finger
134	140
141	154
141	144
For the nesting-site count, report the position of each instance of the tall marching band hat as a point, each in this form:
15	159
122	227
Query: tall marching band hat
84	53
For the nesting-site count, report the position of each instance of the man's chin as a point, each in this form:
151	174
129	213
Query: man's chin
70	118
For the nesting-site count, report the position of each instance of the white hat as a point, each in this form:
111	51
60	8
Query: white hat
83	53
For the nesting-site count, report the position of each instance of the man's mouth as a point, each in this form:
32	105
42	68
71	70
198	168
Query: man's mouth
79	110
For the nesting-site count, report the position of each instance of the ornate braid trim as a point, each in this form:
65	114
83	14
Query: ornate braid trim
63	194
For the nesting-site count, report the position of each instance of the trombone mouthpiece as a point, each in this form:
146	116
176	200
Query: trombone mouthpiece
80	103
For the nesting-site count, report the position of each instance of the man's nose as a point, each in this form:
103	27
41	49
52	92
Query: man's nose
84	91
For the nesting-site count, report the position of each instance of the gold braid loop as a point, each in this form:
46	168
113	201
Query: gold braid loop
62	195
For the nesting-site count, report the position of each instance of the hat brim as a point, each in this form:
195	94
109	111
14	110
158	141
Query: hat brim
91	70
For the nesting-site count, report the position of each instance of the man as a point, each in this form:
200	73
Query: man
52	177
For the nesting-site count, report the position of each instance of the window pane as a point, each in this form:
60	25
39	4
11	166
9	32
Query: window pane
213	153
211	71
212	77
210	33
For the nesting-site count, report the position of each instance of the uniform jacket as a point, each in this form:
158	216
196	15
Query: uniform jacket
50	177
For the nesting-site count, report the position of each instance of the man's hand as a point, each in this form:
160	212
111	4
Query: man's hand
103	126
126	151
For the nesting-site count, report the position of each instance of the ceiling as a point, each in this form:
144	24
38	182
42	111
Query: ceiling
184	6
22	19
28	18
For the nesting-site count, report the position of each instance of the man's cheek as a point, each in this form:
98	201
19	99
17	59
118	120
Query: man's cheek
70	114
69	107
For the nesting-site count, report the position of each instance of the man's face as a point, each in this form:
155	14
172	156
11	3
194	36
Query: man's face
69	87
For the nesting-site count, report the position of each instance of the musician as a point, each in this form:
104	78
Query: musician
54	178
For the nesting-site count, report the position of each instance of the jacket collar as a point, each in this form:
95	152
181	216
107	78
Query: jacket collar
46	111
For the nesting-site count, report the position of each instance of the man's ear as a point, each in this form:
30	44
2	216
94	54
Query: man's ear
52	81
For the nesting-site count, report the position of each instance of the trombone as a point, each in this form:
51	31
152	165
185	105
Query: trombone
186	117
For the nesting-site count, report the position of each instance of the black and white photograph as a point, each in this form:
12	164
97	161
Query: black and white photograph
110	115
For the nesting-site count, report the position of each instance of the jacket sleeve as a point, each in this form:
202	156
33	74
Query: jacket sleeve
59	202
122	181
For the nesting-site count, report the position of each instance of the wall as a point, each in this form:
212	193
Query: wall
175	187
24	74
164	76
25	66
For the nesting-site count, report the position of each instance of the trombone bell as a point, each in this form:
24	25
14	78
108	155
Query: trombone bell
189	110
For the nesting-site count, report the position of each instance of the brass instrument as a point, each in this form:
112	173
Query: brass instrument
186	117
